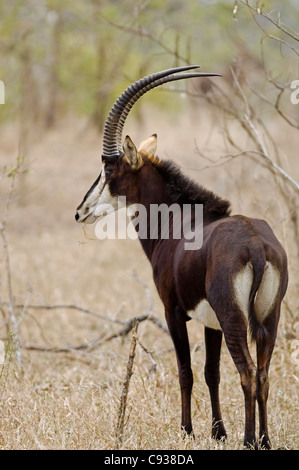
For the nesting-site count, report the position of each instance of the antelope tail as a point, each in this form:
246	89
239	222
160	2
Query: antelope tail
258	331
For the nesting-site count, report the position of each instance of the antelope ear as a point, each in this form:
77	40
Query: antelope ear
132	156
149	146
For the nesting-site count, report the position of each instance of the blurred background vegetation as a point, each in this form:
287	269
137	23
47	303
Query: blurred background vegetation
58	58
63	64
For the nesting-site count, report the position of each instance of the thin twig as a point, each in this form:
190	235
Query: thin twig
279	25
71	307
150	354
91	345
254	133
11	308
125	390
144	33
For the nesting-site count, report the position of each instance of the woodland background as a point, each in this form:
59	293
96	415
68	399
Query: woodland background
67	300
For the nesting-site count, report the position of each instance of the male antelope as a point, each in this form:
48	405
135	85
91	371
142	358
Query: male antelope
233	283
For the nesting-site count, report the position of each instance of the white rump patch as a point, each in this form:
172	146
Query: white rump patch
266	294
204	313
242	285
264	299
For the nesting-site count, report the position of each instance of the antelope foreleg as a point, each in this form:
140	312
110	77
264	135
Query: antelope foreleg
177	328
213	339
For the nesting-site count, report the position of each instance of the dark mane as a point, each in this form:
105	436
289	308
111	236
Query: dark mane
183	190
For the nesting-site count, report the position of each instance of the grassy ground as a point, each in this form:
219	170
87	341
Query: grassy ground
70	399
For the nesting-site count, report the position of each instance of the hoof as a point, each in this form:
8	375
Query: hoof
187	433
218	431
250	444
265	442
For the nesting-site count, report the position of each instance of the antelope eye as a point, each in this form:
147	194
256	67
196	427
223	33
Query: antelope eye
108	170
110	167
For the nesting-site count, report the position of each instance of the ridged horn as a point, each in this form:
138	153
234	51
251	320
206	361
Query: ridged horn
112	139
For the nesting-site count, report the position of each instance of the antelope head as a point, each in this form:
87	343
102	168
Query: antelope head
121	162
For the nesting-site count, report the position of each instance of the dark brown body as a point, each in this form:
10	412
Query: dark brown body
239	273
183	278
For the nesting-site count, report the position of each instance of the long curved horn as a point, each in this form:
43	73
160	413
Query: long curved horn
116	119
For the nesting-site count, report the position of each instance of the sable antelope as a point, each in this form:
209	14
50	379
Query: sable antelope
233	283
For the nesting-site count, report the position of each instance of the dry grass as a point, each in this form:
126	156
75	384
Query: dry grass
71	400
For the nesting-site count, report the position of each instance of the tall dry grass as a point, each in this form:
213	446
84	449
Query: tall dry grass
70	399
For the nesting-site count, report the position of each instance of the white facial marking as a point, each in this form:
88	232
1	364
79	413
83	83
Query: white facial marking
105	203
98	202
204	313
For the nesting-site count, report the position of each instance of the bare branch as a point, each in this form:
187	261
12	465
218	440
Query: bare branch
70	307
281	26
91	345
142	32
11	308
125	389
254	133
